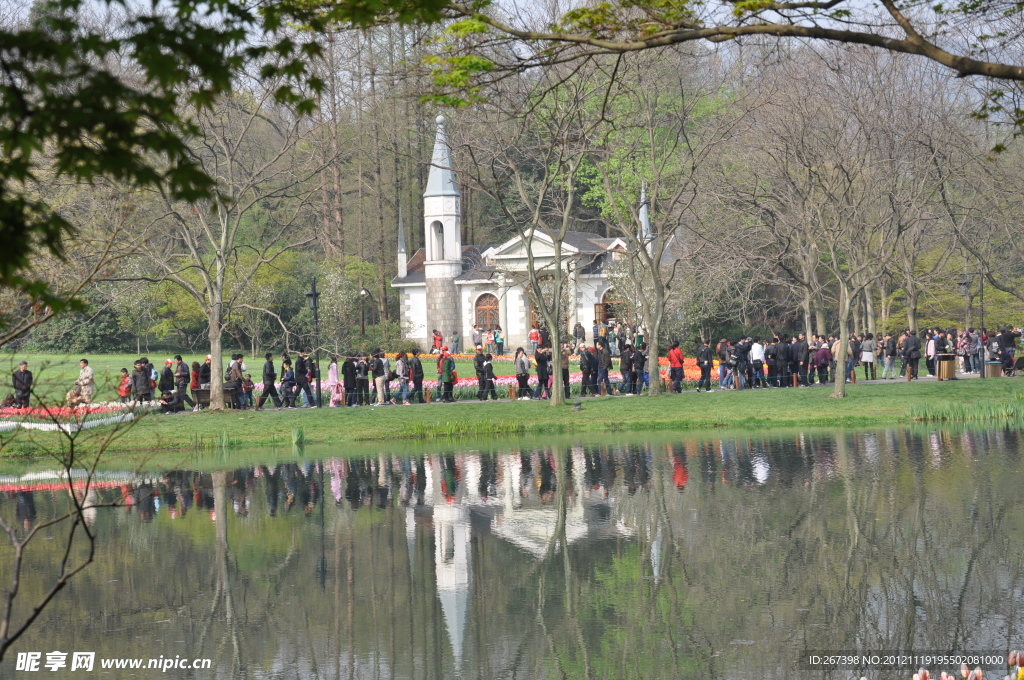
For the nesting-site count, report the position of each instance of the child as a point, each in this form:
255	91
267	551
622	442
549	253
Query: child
247	387
288	384
124	390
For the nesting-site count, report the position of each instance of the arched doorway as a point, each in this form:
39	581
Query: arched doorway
487	312
611	308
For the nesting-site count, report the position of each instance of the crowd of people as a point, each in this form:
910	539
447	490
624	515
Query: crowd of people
784	361
364	379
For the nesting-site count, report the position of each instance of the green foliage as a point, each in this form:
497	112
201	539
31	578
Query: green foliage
87	100
80	333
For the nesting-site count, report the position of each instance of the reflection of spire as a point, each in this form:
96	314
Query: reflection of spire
410	537
451	563
656	554
441	179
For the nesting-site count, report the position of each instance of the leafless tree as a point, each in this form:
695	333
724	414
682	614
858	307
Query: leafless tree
211	250
529	163
658	124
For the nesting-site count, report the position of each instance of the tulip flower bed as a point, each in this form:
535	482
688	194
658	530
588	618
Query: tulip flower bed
66	418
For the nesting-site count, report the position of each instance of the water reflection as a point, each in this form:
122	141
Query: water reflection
661	557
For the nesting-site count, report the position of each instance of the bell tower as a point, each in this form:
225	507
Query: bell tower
442	216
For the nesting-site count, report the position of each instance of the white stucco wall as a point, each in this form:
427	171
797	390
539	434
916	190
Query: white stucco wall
414	313
590	291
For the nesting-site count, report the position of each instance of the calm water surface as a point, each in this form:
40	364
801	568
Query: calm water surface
682	557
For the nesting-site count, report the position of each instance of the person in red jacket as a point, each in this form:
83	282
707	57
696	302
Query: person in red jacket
675	367
124	390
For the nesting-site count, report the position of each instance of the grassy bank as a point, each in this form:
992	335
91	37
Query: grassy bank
865	405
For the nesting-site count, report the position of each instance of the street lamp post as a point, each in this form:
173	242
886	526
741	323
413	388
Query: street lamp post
313	298
965	290
363	293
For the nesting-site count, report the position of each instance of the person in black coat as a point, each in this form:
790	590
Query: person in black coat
798	358
770	351
705	361
269	378
348	380
416	371
487	373
205	371
543	359
478	367
912	353
142	387
302	374
586	371
626	369
22	382
166	383
782	361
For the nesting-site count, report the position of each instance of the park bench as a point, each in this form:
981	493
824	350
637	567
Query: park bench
202	396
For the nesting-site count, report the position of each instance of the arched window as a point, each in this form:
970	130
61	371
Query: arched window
612	306
487	312
435	250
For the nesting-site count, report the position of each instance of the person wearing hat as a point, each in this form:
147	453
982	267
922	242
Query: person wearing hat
166	382
22	380
205	371
478	366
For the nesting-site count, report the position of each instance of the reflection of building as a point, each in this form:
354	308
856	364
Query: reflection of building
467	493
448	286
451	564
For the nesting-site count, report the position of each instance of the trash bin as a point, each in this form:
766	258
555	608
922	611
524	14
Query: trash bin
946	367
993	369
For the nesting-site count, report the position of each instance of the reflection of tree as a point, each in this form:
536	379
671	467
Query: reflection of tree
891	538
222	582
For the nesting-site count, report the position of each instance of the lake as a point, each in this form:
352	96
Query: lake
672	556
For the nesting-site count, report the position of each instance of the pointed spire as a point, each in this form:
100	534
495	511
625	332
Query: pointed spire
646	238
441	180
402	259
401	232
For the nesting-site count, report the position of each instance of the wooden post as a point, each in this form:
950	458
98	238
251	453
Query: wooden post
513	392
426	394
602	389
796	379
853	376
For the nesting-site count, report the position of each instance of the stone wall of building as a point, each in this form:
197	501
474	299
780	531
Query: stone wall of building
443	306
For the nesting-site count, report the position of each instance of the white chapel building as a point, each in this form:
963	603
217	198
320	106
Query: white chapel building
448	285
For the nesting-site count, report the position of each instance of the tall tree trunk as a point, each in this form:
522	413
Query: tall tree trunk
654	348
912	296
869	308
805	307
216	320
844	321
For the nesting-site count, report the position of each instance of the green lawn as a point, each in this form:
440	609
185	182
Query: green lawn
342	428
